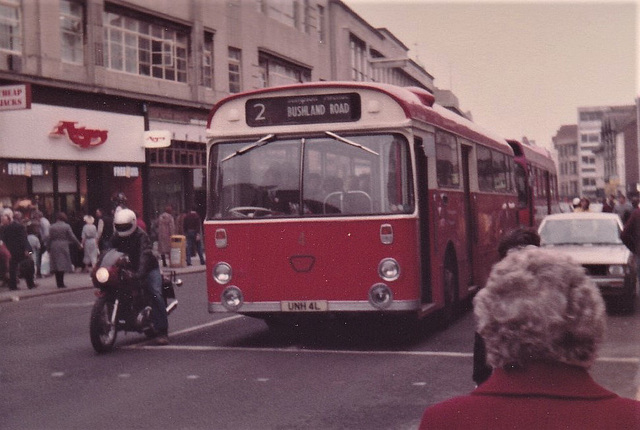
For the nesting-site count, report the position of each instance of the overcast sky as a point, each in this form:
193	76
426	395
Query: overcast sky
522	68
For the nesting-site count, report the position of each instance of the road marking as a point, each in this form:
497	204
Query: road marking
206	325
67	305
446	354
297	350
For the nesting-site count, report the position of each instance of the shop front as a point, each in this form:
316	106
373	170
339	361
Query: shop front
57	158
177	173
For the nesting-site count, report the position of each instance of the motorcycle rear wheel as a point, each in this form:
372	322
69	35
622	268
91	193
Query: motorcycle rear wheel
103	333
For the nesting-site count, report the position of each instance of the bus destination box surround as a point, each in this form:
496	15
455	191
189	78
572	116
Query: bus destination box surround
307	109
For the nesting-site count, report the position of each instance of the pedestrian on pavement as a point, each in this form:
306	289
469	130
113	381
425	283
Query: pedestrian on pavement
14	236
33	232
575	204
60	238
542	320
105	228
623	208
608	204
193	231
166	229
89	243
140	222
5	260
584	205
43	234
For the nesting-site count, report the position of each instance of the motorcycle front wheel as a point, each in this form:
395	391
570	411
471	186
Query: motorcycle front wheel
103	333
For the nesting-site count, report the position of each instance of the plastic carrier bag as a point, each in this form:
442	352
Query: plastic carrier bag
45	264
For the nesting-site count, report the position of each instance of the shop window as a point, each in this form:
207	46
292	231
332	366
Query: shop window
43	184
67	180
179	154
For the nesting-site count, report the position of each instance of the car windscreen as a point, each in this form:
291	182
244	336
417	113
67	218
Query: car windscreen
580	232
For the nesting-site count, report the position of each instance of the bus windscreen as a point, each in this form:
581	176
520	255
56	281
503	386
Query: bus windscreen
318	176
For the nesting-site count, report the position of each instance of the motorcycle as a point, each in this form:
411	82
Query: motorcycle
122	302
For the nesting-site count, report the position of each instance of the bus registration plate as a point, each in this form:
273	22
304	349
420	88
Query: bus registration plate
304	306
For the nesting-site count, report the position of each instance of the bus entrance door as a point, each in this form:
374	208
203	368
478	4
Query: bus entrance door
423	214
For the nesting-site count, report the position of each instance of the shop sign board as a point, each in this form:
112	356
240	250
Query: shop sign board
47	132
15	97
157	139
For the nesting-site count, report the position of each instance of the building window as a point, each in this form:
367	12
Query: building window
283	11
10	31
358	59
591	116
235	63
276	71
207	60
145	47
322	37
179	154
72	31
306	16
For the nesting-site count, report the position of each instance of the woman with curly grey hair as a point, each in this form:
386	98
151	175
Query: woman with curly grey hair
542	320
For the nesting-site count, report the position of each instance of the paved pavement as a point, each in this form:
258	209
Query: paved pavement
74	281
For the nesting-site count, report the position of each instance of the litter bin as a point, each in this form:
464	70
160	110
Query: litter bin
178	252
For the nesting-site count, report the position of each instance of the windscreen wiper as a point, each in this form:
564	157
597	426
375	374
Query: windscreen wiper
257	144
350	142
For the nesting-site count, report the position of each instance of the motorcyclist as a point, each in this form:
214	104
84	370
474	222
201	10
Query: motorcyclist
133	241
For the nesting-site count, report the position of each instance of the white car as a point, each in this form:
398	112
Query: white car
592	239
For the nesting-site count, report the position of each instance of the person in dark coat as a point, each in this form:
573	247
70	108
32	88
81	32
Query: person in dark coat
60	237
14	236
193	230
104	224
133	241
542	320
515	239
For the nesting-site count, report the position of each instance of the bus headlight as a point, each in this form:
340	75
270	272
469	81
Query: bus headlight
222	273
616	270
389	269
380	296
102	275
232	298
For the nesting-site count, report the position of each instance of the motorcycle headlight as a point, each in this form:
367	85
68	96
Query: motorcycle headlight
102	275
616	270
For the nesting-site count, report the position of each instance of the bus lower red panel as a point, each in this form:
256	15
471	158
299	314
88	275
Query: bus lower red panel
333	260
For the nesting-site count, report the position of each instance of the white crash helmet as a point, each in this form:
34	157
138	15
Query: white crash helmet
124	222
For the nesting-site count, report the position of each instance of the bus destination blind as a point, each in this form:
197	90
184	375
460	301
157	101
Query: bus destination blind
307	109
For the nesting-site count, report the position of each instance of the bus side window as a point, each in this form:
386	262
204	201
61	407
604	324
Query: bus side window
447	165
485	170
